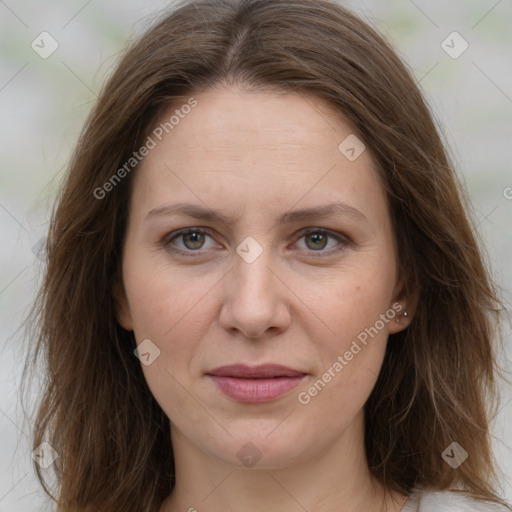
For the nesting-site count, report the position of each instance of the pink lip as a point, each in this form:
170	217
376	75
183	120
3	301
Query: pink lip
255	384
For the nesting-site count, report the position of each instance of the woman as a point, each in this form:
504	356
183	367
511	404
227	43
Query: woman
263	290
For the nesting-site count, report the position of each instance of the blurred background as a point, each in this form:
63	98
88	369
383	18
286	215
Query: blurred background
54	57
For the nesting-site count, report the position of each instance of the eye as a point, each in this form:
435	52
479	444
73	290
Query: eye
316	240
192	240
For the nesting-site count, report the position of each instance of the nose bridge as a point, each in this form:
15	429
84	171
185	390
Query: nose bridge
254	280
252	295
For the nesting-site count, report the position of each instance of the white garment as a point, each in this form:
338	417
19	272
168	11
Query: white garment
447	501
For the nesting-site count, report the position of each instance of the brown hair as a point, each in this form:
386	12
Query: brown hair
438	376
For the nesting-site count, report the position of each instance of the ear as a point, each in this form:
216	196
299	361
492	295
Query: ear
404	301
122	309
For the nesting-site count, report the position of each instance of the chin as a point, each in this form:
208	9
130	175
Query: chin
261	451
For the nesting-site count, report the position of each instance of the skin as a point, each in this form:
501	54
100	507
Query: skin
255	156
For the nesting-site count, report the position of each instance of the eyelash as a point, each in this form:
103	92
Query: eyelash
343	241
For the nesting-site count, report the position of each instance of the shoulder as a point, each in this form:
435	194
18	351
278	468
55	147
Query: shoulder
430	500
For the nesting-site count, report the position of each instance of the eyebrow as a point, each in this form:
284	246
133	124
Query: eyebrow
202	213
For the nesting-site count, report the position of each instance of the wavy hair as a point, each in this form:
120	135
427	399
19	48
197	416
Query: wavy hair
438	382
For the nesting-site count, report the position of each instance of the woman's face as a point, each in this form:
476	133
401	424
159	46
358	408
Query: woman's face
289	261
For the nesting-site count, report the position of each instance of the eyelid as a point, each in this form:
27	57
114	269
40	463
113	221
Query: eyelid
343	240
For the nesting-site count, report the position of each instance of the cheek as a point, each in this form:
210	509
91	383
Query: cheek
351	358
163	300
352	299
171	310
354	307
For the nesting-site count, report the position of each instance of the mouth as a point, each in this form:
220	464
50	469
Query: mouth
255	384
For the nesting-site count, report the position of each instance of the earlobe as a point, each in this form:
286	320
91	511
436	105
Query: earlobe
121	306
400	321
404	305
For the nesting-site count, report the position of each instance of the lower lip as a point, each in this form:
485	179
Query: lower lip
256	390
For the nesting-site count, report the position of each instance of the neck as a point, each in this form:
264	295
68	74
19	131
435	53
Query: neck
338	479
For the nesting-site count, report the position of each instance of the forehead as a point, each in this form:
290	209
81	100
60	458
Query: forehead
256	148
229	116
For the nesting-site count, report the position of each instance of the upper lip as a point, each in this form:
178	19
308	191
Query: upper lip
262	371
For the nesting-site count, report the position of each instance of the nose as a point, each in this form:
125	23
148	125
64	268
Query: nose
255	300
